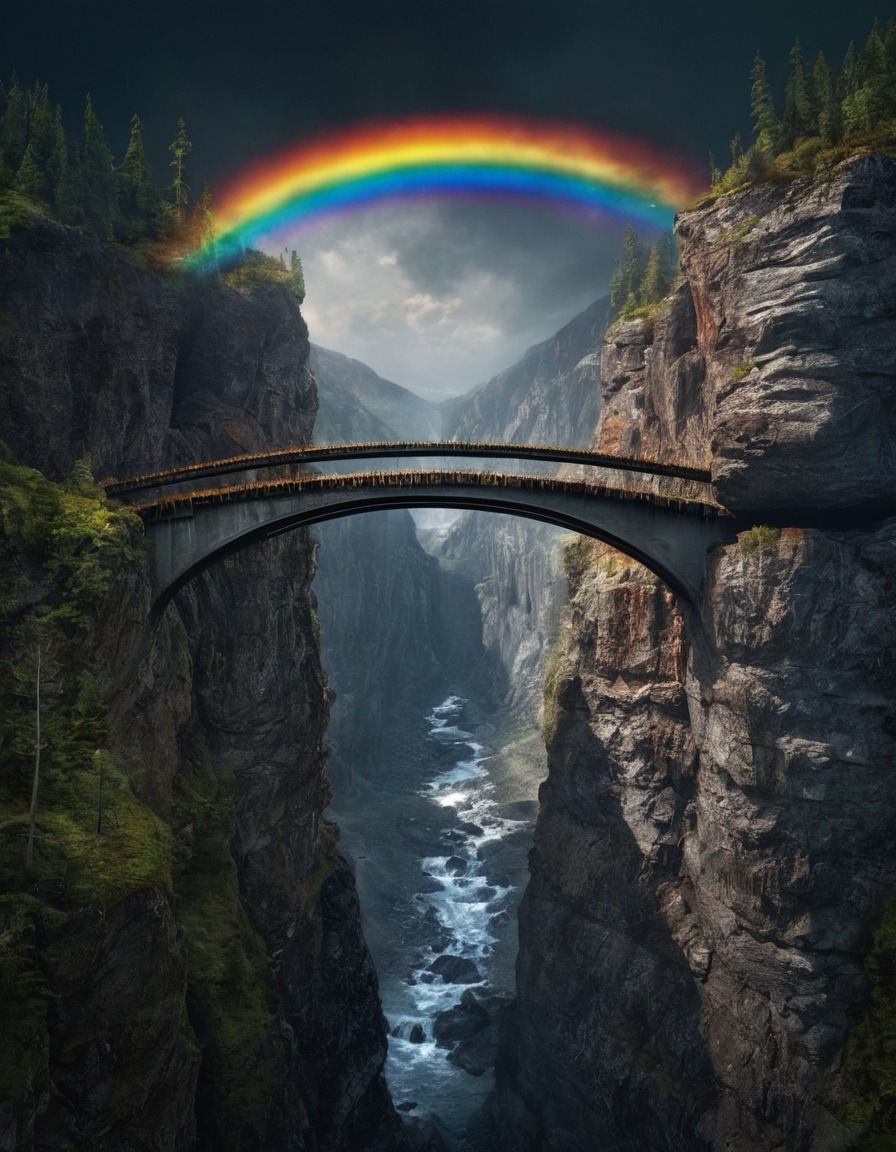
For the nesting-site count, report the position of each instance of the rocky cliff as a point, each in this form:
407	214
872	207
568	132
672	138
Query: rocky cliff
714	845
550	396
547	397
356	404
188	969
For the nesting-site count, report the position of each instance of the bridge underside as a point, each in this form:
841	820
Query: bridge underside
669	542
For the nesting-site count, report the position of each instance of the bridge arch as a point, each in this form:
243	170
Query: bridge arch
669	537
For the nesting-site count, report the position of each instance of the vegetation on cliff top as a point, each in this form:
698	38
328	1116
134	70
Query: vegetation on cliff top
642	279
826	114
79	183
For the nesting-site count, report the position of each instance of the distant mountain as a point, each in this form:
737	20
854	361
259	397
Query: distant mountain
550	396
357	405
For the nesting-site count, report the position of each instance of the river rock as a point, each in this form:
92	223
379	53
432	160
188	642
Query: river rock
460	1022
455	970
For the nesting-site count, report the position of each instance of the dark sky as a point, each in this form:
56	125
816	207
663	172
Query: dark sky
263	74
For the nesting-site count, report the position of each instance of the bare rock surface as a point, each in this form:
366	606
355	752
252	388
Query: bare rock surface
714	843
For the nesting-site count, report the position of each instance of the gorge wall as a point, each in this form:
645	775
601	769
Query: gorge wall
550	396
714	846
189	971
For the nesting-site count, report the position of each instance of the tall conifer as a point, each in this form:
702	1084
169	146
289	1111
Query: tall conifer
766	127
799	119
57	166
94	178
28	180
133	181
180	148
13	128
825	100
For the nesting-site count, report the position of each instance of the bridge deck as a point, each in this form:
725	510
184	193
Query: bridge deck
183	503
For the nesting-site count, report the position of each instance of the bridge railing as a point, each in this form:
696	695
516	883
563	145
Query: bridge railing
659	477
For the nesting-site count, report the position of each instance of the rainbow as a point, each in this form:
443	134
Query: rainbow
561	166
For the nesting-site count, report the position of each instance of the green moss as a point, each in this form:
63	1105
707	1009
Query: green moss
809	157
871	1050
24	998
648	314
758	539
16	211
230	994
737	234
64	551
741	372
577	553
553	682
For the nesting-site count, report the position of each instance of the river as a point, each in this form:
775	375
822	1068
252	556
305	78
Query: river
439	848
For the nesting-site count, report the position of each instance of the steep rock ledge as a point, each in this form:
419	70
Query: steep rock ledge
714	847
217	719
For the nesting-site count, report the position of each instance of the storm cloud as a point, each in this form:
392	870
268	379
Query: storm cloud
439	297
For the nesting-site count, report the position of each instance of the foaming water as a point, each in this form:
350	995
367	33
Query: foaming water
460	905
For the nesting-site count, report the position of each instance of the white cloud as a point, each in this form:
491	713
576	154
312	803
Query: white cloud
440	297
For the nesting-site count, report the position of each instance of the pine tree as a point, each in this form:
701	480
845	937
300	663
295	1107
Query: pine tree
180	148
853	114
890	65
766	127
875	77
57	166
825	100
13	128
133	181
628	275
94	178
28	179
658	273
41	140
800	119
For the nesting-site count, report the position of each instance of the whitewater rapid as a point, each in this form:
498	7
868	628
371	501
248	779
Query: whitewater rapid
458	902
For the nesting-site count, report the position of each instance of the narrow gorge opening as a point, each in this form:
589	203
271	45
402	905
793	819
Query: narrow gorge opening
436	765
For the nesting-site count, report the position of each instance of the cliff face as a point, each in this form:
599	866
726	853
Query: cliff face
233	1005
358	405
714	845
550	396
515	567
395	629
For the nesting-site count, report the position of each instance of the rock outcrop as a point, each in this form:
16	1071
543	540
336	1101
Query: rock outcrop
714	845
238	1006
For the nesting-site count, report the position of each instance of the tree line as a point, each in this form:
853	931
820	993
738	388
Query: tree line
79	182
824	110
643	276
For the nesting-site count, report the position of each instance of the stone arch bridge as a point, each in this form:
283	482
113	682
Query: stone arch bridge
201	513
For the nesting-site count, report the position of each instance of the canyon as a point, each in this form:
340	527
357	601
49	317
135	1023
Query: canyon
713	845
